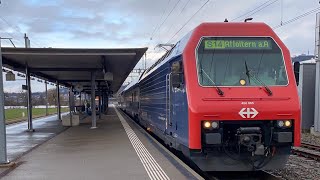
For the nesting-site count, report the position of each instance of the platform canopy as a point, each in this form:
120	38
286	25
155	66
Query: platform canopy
74	66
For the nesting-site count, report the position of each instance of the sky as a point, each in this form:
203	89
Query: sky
142	23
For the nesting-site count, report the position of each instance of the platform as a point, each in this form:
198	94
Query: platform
20	141
117	149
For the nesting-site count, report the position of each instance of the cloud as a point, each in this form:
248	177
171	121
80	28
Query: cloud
131	23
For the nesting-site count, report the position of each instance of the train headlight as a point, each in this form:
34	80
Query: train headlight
284	123
215	125
211	125
207	125
287	123
280	124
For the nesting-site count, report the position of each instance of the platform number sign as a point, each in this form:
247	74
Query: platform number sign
248	113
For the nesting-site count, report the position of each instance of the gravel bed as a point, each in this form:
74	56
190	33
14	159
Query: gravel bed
309	138
299	168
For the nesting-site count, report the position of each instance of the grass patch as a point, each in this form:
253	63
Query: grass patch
21	114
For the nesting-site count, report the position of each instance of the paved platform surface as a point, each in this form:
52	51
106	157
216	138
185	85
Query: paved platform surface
117	149
19	141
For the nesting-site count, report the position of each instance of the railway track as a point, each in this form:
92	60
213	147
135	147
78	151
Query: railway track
308	151
311	146
256	175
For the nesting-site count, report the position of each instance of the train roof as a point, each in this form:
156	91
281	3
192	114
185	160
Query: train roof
129	86
176	51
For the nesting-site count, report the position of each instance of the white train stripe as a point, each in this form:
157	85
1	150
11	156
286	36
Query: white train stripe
154	171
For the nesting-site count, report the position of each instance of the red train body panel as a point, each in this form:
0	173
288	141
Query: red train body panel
205	104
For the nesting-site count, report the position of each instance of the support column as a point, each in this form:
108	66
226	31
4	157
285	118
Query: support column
85	102
93	100
47	98
317	88
102	101
58	101
29	100
107	102
99	88
3	136
70	103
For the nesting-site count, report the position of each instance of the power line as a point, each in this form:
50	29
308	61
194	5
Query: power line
263	8
179	15
168	15
164	11
14	38
185	6
17	29
189	20
298	17
257	9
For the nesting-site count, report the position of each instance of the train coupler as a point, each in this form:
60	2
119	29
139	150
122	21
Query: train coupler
250	137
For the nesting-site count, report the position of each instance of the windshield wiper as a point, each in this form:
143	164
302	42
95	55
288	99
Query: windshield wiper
248	73
220	92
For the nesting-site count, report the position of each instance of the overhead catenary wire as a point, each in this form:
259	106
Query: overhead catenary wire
257	9
168	15
185	5
179	15
17	29
158	25
161	24
199	9
297	17
189	20
164	11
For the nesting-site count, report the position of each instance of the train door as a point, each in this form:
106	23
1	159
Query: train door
173	79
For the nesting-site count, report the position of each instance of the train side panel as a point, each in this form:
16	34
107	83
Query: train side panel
153	101
179	115
131	101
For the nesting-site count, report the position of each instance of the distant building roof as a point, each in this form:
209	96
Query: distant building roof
302	57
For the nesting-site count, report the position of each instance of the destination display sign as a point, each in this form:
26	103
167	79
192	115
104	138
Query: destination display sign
238	44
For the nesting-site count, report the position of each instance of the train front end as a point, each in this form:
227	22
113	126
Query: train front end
243	104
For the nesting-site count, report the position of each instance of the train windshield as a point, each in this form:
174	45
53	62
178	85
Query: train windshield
240	61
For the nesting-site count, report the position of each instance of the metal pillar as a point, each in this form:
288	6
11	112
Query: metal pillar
47	98
58	101
107	101
99	87
103	101
317	88
93	101
29	100
3	137
70	113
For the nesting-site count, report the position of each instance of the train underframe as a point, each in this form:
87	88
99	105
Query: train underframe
243	146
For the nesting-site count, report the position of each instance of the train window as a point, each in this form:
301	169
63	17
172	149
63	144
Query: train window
225	61
176	67
177	74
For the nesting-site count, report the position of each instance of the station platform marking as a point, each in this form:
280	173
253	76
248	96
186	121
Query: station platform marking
154	171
